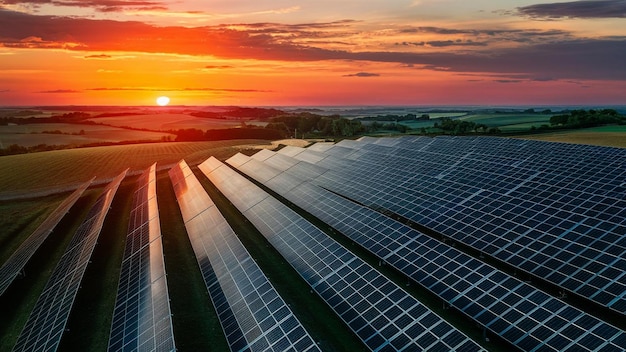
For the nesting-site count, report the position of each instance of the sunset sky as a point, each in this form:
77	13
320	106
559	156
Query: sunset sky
312	52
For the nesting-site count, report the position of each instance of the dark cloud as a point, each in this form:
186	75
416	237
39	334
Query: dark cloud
100	5
544	79
577	9
486	32
574	59
508	81
363	74
4	90
446	43
60	91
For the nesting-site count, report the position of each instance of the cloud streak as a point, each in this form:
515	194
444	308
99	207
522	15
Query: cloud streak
100	57
99	5
577	9
60	91
146	89
363	74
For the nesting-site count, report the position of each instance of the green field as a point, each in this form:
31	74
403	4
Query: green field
72	134
41	173
507	123
607	136
164	122
510	122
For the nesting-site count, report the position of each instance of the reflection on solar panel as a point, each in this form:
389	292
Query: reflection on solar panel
46	323
383	315
142	318
554	210
252	314
501	303
14	265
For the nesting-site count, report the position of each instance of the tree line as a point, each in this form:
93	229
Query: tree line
461	127
587	118
306	124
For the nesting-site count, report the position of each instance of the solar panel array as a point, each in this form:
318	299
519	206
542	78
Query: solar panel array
252	314
15	264
505	305
556	211
381	314
142	318
46	323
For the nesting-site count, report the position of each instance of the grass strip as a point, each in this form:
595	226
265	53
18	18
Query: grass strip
195	322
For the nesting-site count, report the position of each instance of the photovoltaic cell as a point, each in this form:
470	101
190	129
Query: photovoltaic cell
442	269
46	323
14	265
253	315
381	314
142	317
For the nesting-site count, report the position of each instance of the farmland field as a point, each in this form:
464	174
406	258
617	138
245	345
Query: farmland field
607	136
510	122
28	174
76	134
19	219
506	122
165	122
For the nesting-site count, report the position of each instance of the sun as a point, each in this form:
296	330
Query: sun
162	101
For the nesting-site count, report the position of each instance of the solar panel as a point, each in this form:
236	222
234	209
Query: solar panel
381	314
141	317
15	264
554	210
252	314
444	270
46	323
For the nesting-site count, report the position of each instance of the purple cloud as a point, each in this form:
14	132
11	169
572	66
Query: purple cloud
363	74
577	9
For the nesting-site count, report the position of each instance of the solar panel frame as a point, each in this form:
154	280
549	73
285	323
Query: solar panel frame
45	326
15	264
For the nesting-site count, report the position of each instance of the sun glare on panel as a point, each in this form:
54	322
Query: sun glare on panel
162	101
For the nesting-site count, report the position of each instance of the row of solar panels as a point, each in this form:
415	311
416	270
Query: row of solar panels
46	323
521	314
507	198
141	320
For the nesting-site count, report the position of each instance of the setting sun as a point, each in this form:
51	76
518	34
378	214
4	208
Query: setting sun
162	101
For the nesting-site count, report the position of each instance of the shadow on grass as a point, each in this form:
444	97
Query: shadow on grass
20	298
